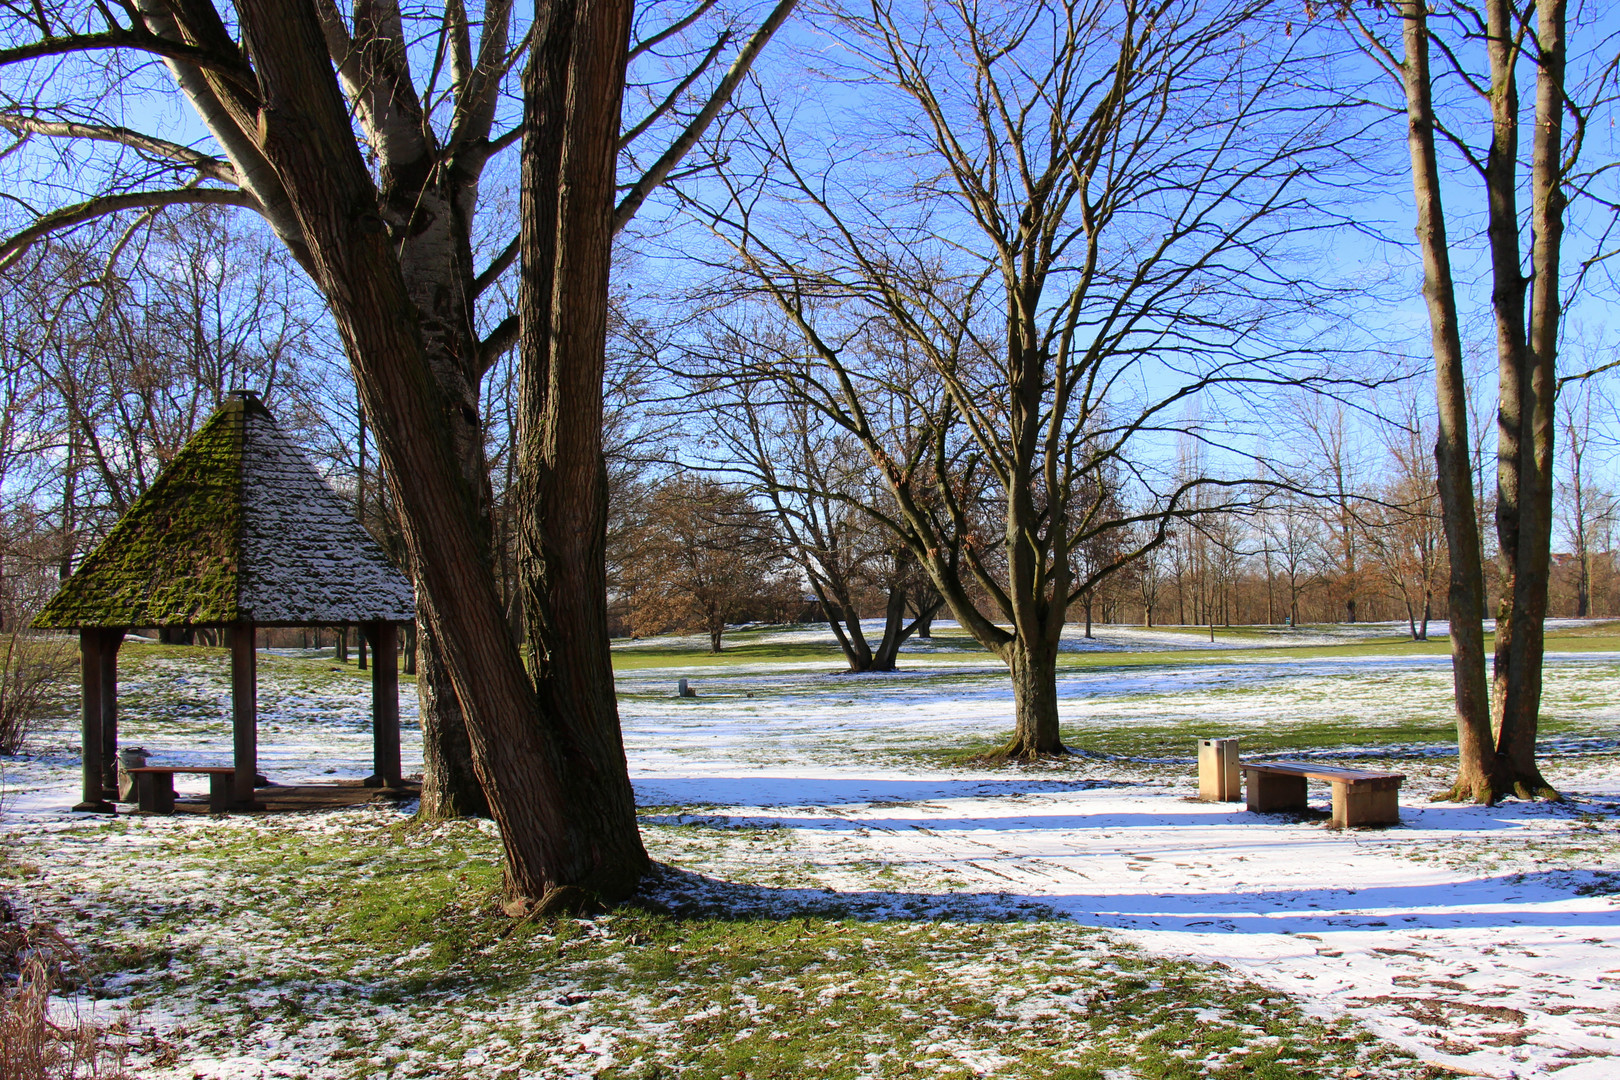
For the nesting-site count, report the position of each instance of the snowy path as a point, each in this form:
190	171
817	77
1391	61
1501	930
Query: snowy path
1444	934
1501	973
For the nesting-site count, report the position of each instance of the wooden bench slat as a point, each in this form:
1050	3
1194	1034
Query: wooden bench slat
172	769
1330	773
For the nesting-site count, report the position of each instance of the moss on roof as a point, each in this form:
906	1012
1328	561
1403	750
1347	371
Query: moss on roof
181	555
172	558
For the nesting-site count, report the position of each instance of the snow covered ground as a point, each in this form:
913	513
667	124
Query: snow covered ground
1485	940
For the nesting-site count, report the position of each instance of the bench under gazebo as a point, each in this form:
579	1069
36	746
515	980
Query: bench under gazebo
238	532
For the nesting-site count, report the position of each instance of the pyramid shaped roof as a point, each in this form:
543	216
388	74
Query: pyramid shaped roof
238	527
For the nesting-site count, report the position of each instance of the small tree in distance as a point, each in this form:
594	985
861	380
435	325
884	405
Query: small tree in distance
703	557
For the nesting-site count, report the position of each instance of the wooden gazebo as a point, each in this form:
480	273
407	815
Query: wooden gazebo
238	532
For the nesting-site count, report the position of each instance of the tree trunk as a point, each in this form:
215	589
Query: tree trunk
845	622
894	625
553	841
1034	681
1478	771
1525	443
430	207
450	787
572	85
410	652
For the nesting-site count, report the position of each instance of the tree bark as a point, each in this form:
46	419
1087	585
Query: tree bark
572	90
450	787
303	126
1526	420
1032	662
1496	738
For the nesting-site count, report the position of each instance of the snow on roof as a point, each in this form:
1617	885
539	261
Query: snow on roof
238	527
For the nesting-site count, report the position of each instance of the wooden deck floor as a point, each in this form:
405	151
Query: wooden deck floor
303	797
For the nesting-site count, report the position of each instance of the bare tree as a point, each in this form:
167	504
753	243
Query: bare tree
818	481
1402	529
1588	509
1291	535
1335	479
1081	202
705	557
1497	732
1149	571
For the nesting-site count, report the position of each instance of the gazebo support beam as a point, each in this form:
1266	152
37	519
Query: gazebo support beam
111	641
91	641
384	637
244	712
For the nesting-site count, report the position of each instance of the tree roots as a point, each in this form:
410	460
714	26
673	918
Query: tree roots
1020	750
1484	793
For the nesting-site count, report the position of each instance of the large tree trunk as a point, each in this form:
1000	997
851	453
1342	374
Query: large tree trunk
1032	662
845	622
436	260
450	786
1525	444
1479	774
524	762
572	88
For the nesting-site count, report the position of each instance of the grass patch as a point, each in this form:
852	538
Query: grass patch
376	947
742	649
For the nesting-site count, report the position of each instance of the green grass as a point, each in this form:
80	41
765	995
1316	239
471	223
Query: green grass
741	648
387	943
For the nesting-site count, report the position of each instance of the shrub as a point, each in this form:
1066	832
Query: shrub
33	671
33	1045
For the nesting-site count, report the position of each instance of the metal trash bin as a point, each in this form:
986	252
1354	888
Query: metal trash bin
129	757
1218	777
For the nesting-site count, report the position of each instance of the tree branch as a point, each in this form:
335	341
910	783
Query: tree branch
207	165
500	339
496	268
674	96
70	216
654	177
121	38
670	31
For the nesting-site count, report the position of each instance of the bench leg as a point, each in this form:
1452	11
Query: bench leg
146	793
1269	792
154	793
221	786
1365	805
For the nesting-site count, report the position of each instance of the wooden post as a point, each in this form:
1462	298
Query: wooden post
384	704
1270	792
111	640
94	798
245	710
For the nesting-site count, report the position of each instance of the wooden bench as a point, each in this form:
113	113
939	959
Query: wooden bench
154	787
1360	797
